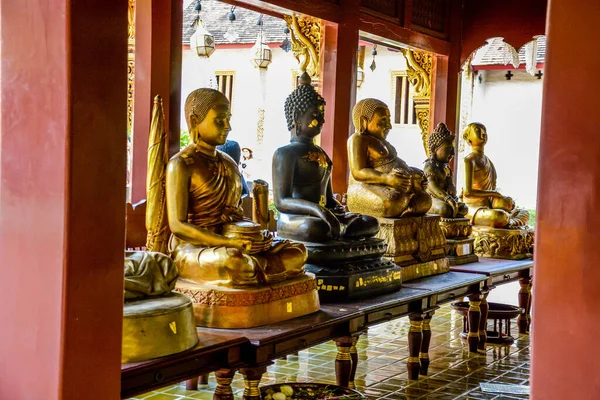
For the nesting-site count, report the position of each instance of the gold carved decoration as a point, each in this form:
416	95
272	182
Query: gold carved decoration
420	66
361	56
512	244
130	62
306	41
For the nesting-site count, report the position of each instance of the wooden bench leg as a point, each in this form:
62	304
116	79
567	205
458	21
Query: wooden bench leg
484	308
343	360
525	304
191	384
203	379
223	391
354	359
252	377
424	353
474	316
415	339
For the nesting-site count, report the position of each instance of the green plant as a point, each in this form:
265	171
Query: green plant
275	210
184	138
532	215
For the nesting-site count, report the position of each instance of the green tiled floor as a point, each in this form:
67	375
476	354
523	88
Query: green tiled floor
381	372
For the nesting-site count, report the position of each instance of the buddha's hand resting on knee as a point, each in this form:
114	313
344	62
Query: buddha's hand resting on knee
399	180
332	222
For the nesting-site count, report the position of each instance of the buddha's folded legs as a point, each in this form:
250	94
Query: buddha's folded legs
419	204
491	217
359	226
444	210
217	265
285	260
303	227
378	201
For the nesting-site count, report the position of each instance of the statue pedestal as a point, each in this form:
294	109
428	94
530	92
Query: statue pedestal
511	244
352	269
459	246
157	327
223	307
417	244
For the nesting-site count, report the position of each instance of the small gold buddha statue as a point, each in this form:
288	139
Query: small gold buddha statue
383	185
214	247
445	203
310	213
488	208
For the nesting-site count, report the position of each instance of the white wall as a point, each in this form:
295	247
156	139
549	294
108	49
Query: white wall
511	112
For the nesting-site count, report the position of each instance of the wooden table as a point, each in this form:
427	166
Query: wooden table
252	350
500	272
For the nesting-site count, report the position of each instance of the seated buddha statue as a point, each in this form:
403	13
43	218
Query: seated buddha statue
439	175
487	206
302	178
211	242
381	183
342	252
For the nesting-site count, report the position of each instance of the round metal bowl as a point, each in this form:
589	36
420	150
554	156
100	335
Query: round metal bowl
314	391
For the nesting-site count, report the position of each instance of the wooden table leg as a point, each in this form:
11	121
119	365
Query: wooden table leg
415	338
223	391
474	318
484	308
203	379
252	377
424	353
354	359
343	360
525	304
191	384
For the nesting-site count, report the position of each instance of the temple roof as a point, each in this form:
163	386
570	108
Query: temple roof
215	16
493	53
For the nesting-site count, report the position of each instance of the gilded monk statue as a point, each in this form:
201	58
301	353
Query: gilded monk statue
439	175
302	178
487	206
211	242
381	183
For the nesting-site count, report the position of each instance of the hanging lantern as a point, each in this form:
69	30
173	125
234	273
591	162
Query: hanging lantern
202	41
260	52
360	77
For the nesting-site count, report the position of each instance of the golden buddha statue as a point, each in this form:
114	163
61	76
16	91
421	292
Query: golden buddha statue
383	185
445	203
340	243
492	213
215	248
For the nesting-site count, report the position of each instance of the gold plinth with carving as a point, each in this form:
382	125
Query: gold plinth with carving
415	244
460	248
511	244
222	307
157	327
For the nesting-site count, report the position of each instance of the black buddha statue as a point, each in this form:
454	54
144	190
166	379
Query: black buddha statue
302	178
341	245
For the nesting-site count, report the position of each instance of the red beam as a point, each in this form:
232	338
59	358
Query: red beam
322	9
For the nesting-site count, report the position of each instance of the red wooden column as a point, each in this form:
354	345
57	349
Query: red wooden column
157	71
566	305
339	47
62	193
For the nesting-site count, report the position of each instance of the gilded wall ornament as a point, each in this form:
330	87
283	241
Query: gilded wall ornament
306	41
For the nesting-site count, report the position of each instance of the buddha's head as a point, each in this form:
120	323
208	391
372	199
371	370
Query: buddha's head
372	116
305	109
207	115
441	144
475	134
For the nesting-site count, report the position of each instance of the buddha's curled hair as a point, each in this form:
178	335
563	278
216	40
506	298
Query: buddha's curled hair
200	101
365	108
299	100
438	137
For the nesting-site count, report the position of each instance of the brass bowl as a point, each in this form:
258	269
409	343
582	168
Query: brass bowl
248	230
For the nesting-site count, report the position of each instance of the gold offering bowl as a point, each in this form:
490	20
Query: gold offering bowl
248	230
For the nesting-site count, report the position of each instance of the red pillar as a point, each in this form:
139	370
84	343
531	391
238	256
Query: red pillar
157	71
62	192
566	305
339	47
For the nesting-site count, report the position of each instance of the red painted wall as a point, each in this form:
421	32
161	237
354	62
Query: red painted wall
517	21
62	169
566	304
